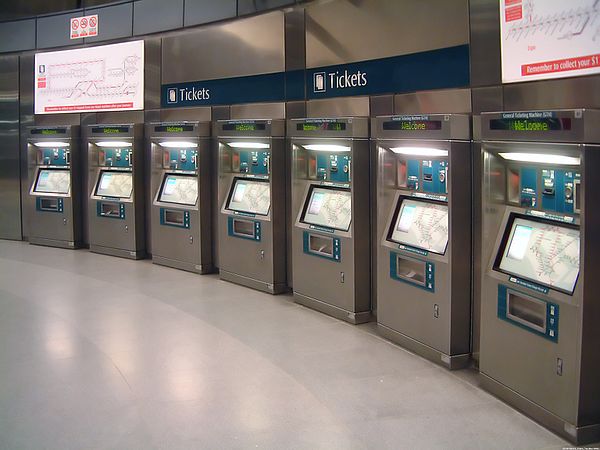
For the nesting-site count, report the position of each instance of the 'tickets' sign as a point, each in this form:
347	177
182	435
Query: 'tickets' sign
86	26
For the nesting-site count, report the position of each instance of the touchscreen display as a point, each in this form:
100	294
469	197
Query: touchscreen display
53	181
181	189
250	196
542	252
423	225
115	184
330	208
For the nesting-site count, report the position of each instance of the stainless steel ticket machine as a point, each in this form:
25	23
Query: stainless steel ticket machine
540	264
181	228
424	234
116	190
252	225
55	193
330	209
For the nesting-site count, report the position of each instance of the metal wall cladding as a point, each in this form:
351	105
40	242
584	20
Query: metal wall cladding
146	13
248	46
254	6
340	31
17	36
10	189
53	31
485	42
114	22
204	11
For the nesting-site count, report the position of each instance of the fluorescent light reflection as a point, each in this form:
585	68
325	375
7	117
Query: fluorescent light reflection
542	158
51	144
327	148
242	144
178	144
419	151
113	144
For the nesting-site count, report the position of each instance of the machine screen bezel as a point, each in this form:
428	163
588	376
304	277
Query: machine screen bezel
102	172
40	171
506	240
162	186
394	222
232	190
307	202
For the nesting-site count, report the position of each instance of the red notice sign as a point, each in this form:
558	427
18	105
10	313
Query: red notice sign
513	13
561	65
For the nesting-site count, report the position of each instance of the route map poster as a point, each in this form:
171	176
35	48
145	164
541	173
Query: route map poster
102	78
543	39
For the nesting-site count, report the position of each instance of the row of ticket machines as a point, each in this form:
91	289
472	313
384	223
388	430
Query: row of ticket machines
509	216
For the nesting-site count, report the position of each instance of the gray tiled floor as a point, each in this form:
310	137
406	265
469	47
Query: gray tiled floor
104	353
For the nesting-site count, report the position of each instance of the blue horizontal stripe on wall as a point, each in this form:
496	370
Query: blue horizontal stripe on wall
435	69
226	91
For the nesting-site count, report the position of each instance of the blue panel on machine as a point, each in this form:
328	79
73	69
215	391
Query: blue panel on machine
183	159
558	190
549	330
434	176
413	174
427	281
322	246
254	162
101	213
249	229
54	157
57	206
116	157
528	187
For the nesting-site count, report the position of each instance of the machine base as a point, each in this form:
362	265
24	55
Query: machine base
53	243
576	435
182	265
139	254
277	288
354	318
452	362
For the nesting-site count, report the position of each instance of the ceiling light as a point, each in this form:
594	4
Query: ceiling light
545	158
242	144
419	151
178	144
113	144
327	148
51	144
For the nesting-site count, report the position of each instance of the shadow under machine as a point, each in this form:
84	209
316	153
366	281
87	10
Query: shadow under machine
540	306
54	170
330	210
252	221
181	190
116	190
424	234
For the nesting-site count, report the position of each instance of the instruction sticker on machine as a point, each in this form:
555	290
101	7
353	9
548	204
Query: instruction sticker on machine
102	78
544	39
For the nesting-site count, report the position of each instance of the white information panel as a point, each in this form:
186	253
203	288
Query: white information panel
544	39
103	78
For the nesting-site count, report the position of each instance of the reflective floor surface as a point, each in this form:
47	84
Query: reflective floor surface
99	352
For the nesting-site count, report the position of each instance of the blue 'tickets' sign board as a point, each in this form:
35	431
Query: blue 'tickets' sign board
435	69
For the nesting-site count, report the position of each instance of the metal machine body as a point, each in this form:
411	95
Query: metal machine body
330	210
116	190
424	234
252	225
540	265
55	191
181	230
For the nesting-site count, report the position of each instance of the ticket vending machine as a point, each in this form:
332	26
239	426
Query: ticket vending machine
181	229
55	193
424	234
330	209
252	225
116	190
540	306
